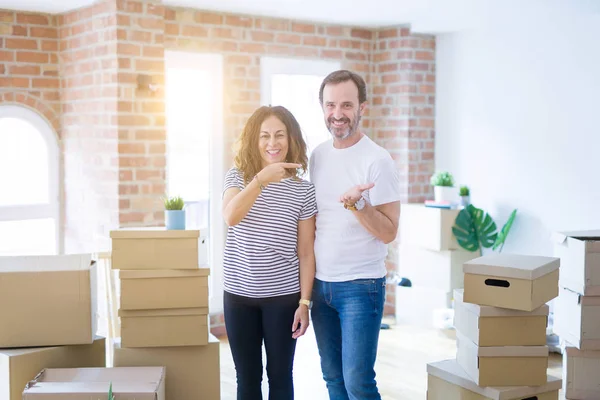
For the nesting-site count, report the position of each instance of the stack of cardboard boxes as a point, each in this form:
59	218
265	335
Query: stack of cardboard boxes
164	310
432	260
47	318
577	312
500	321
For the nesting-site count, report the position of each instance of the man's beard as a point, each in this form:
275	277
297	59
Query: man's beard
352	127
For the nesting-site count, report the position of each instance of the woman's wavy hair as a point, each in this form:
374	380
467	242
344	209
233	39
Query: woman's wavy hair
247	158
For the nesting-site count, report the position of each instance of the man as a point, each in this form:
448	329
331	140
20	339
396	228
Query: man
358	198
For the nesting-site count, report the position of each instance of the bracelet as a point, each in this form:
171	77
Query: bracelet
259	183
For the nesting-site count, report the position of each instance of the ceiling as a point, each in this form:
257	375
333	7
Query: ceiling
423	15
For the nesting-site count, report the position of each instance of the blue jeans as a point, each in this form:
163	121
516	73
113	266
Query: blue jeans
346	318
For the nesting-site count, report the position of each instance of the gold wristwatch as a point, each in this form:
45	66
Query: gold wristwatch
307	303
359	205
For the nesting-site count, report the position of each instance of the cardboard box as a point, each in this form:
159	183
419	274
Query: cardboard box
502	366
47	300
155	248
579	254
434	269
158	328
428	227
419	305
493	326
577	319
517	282
149	290
446	380
19	366
192	372
140	383
581	374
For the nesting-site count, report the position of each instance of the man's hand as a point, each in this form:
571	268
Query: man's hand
354	194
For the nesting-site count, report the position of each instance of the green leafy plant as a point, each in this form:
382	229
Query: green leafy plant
475	229
442	178
173	203
464	191
111	396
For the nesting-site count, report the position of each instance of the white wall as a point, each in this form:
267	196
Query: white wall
517	121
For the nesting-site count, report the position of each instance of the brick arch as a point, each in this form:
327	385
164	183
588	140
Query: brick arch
36	105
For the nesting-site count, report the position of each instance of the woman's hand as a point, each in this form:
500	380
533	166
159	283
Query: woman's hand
275	172
300	318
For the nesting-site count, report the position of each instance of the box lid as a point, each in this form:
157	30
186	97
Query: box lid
512	266
594	235
167	312
142	381
153	233
502	351
63	262
163	273
450	371
488	311
575	352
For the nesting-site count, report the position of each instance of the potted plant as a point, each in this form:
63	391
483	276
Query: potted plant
464	194
174	213
443	187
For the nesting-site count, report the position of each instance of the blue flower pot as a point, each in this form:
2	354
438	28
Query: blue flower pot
175	219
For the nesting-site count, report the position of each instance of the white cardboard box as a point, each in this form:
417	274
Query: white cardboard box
581	374
502	366
492	326
418	306
448	381
435	269
577	319
428	227
518	282
579	254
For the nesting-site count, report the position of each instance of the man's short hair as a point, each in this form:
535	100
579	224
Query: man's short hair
344	76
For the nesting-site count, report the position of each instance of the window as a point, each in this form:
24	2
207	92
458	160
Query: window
295	85
195	150
29	184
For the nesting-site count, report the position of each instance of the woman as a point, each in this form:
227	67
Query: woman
269	262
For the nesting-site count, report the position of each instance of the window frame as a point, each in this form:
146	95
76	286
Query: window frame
213	62
53	208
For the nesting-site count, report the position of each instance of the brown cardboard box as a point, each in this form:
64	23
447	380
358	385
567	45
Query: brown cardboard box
149	290
446	380
434	269
577	319
19	366
579	254
493	326
517	282
581	374
502	366
428	227
192	372
163	328
47	300
155	248
141	383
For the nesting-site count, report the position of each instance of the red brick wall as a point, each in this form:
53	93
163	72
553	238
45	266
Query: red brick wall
29	63
88	67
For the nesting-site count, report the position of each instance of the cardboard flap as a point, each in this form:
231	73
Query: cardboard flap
153	233
163	273
512	266
513	351
141	389
170	312
582	235
489	311
450	371
64	262
116	374
575	352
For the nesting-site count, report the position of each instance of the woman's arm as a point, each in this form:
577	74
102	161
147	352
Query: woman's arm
306	257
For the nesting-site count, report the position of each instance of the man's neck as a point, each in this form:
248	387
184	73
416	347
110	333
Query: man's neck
349	141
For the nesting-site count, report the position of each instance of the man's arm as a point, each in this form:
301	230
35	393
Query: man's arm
381	221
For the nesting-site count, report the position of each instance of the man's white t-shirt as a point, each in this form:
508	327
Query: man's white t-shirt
344	249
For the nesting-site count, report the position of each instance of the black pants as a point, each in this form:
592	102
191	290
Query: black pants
248	322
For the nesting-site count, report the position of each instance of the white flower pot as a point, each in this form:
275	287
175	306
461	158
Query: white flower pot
445	193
